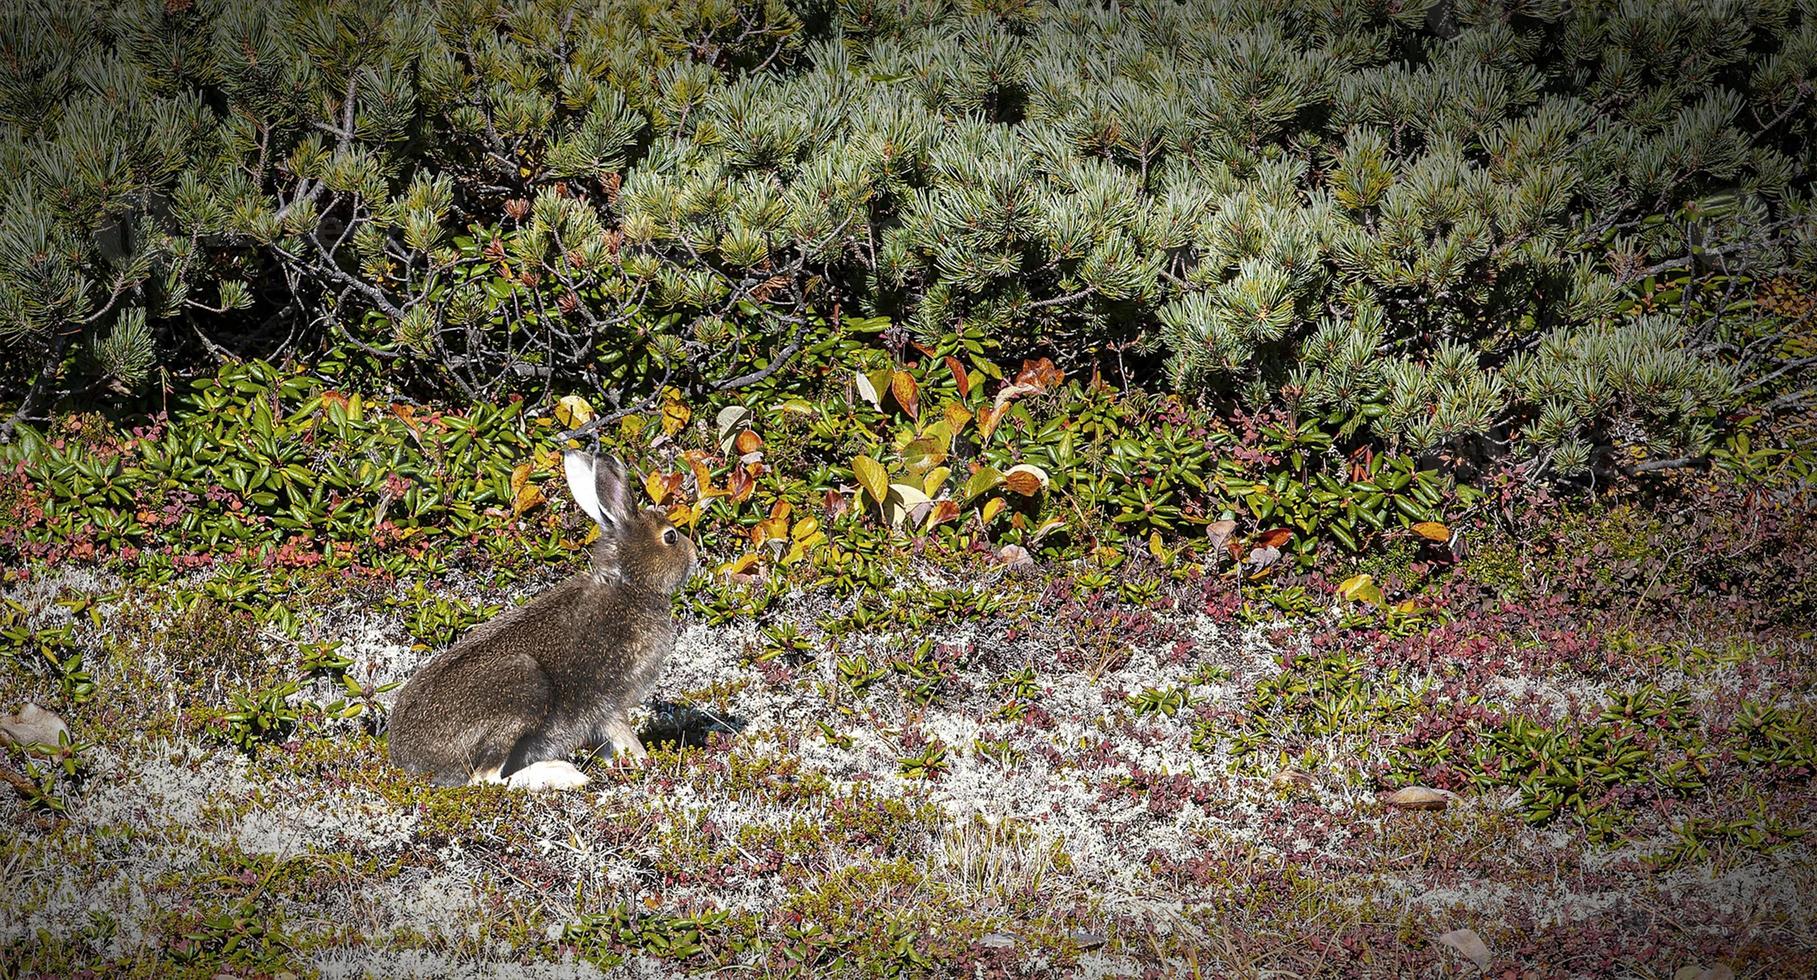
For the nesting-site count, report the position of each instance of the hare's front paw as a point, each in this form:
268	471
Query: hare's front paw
549	774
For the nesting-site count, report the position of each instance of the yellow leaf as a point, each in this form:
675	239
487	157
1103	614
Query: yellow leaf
1432	531
573	411
740	565
520	475
935	479
904	502
527	497
1361	588
675	413
1408	607
992	508
872	477
982	481
921	454
956	416
805	528
1156	548
656	487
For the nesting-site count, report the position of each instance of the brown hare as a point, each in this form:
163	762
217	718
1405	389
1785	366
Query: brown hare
515	697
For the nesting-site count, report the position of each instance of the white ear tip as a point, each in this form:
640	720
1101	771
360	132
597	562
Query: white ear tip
578	467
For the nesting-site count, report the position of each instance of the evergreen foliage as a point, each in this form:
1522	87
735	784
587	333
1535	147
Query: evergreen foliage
1423	221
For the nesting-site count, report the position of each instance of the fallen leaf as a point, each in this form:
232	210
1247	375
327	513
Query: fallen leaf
944	510
740	565
1047	527
867	389
1290	779
1040	375
906	504
675	412
741	483
1361	588
1418	798
1467	942
1026	479
997	940
748	442
1219	532
1011	392
1432	531
988	417
729	419
1273	537
573	411
33	725
1263	557
1015	556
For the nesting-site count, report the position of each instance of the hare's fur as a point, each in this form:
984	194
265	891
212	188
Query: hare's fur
518	695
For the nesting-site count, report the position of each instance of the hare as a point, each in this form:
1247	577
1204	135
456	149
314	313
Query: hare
516	696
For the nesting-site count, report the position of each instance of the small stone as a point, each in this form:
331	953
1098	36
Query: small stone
33	725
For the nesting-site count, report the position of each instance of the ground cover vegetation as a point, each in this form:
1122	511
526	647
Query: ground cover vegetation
1183	488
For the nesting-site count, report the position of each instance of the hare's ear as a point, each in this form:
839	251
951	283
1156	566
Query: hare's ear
612	489
598	485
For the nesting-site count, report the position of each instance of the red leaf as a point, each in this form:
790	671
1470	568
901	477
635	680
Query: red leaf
963	379
1274	537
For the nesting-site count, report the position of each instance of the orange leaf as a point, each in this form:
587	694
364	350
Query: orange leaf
748	442
1432	531
1023	482
944	510
963	379
740	483
1041	374
902	385
988	417
1274	537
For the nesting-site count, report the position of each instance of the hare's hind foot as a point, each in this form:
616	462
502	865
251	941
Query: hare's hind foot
549	774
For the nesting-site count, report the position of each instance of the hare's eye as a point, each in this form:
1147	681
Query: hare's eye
669	536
